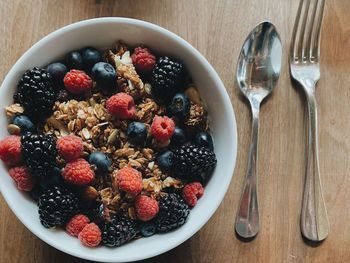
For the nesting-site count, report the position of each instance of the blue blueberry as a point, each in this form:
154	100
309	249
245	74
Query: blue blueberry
148	229
90	57
137	133
180	105
57	72
166	160
52	179
204	139
104	74
179	137
24	123
74	60
101	161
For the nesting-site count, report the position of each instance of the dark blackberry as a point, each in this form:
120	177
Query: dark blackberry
118	231
191	161
56	206
36	94
39	153
167	76
173	212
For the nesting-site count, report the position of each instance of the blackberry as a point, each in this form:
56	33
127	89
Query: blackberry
191	161
39	153
36	94
118	231
167	76
173	212
56	206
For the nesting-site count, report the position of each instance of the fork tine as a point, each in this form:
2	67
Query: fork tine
315	42
306	51
295	43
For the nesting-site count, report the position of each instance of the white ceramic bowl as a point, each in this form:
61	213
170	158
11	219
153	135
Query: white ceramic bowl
103	33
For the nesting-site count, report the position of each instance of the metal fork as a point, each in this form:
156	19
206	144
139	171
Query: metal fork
305	69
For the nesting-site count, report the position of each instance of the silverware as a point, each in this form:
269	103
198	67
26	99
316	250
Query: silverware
258	70
305	69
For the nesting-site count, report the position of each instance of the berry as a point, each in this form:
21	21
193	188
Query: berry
57	72
91	235
143	60
24	123
162	128
192	160
36	94
121	105
101	161
118	231
137	133
74	60
105	75
146	208
77	81
55	178
36	192
129	180
167	77
63	95
90	57
180	105
39	153
70	147
179	137
165	160
173	213
204	139
76	224
78	172
10	150
24	180
147	229
191	192
56	206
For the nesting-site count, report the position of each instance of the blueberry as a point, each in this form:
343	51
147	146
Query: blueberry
36	192
180	105
148	229
101	161
54	178
74	60
57	72
165	160
104	74
179	137
137	133
24	123
90	57
204	139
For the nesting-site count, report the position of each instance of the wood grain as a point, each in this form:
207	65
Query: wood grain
218	29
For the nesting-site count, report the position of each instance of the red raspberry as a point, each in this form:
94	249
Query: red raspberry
70	147
146	208
24	180
76	224
91	235
162	128
78	172
10	150
77	81
192	192
143	59
121	105
129	180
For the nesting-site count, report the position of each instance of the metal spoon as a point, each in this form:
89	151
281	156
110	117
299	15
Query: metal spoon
258	70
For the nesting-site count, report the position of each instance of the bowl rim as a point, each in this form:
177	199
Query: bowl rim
226	103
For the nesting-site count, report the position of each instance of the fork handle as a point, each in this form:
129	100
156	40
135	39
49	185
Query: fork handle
314	220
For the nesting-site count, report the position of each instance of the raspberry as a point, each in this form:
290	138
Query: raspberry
24	180
146	208
77	81
129	180
121	105
10	150
192	192
143	59
70	147
76	224
78	172
90	236
162	128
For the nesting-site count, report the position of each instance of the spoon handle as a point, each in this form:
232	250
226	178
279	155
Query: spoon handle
314	220
247	219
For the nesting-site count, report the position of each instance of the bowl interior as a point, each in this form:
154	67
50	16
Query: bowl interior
103	33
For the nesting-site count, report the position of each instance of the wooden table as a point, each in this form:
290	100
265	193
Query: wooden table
218	29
